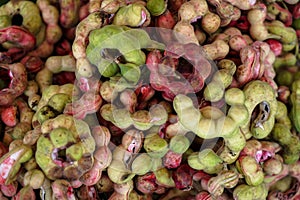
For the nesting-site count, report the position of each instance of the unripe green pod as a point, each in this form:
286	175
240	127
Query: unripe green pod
236	142
130	72
281	133
164	177
244	191
229	156
141	164
141	119
61	137
122	118
118	173
29	12
234	96
59	101
214	91
155	146
157	164
179	144
131	15
251	170
20	130
209	158
74	152
227	65
295	100
284	78
282	115
5	21
260	93
156	7
287	34
287	60
158	114
272	166
194	162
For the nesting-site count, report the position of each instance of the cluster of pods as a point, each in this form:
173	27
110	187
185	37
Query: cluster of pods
150	99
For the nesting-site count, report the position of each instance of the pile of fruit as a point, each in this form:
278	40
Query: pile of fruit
150	99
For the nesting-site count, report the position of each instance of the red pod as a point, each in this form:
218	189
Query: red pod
32	63
64	78
183	177
146	183
9	116
63	48
10	189
172	160
166	20
275	46
242	23
17	85
296	11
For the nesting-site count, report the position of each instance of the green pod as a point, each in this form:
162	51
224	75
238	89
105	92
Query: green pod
106	112
286	47
188	115
223	76
164	177
296	23
295	100
194	162
115	48
206	160
260	93
244	191
227	65
156	7
61	137
234	96
238	113
251	170
45	113
290	157
236	141
209	158
141	120
66	148
282	115
142	164
284	77
20	130
133	15
29	11
214	91
287	60
122	118
228	156
287	34
118	173
158	115
130	72
155	146
59	101
5	21
281	134
179	144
